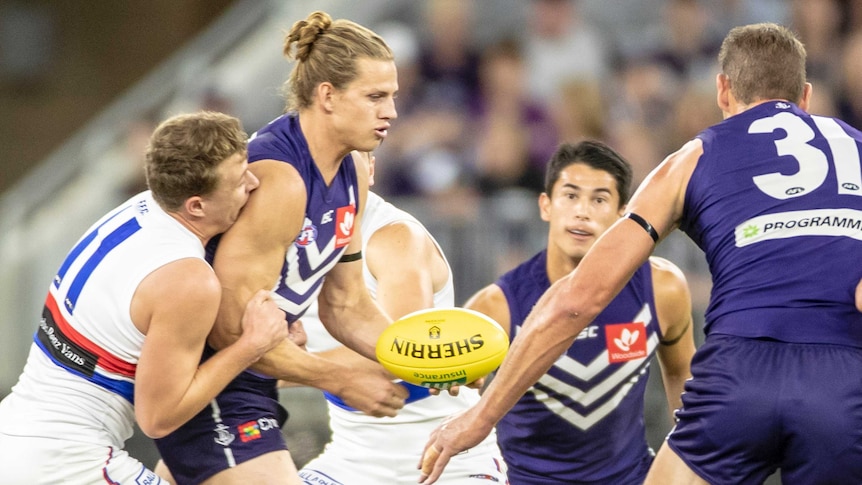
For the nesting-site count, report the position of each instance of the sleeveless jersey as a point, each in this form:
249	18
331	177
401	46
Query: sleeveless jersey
583	420
421	406
779	217
78	381
329	214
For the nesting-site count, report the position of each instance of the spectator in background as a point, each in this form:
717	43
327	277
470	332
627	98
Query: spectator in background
581	112
430	149
515	134
850	97
689	41
818	23
561	47
448	57
641	112
693	110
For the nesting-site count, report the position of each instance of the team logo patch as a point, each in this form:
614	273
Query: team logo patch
625	341
344	218
223	435
308	234
249	431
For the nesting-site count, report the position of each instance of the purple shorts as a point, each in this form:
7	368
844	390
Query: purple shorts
754	405
242	423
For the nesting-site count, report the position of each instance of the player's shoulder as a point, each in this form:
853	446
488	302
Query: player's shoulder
281	184
687	155
402	232
669	280
193	278
491	301
490	294
665	272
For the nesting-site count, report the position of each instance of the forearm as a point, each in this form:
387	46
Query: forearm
565	309
288	362
357	324
544	337
163	414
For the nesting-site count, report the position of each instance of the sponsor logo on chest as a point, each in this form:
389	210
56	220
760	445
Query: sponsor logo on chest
626	341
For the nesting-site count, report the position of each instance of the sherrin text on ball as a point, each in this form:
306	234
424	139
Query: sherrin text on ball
440	347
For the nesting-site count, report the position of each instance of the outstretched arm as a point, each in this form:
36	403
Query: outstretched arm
568	306
407	267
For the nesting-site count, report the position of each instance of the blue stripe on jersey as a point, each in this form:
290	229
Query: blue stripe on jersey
123	388
416	393
110	241
76	251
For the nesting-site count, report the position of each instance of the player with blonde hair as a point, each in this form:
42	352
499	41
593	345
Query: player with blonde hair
301	225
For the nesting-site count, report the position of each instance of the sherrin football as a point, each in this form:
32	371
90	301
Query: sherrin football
439	347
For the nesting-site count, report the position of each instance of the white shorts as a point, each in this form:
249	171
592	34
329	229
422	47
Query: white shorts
340	465
27	460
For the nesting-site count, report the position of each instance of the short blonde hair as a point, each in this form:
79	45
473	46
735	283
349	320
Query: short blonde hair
763	61
184	153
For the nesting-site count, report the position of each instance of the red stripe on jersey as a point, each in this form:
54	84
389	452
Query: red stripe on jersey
106	360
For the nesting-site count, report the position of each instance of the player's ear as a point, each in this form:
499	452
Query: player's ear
325	95
806	96
545	206
194	206
722	88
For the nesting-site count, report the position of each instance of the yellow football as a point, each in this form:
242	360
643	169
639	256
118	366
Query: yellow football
439	347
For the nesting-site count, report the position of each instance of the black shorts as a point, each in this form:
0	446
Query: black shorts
241	423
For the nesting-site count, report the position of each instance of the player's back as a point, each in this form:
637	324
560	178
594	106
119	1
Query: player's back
79	376
775	202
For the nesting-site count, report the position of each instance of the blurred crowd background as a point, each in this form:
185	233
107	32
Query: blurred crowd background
488	88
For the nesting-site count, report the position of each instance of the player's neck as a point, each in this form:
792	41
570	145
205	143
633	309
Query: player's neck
326	152
195	227
558	264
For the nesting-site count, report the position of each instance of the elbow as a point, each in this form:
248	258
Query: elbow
155	427
155	430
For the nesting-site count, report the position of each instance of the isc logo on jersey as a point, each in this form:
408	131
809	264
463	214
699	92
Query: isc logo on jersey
625	341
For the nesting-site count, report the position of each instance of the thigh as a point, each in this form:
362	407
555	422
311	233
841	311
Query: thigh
480	464
37	461
822	415
343	463
669	469
275	468
240	425
728	429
